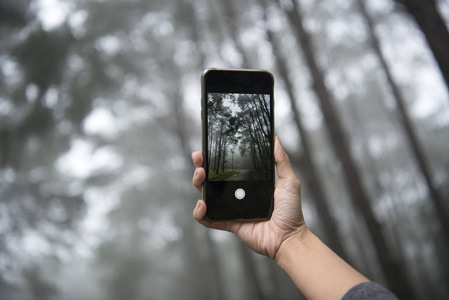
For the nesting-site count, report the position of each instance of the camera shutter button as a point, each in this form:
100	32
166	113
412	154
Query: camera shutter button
239	193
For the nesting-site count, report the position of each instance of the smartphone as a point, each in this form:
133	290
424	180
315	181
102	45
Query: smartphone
238	144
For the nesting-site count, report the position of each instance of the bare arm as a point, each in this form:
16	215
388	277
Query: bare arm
317	271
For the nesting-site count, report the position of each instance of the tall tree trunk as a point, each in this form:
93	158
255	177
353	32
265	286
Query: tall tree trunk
255	290
309	170
229	13
215	153
426	15
418	153
340	145
225	144
397	232
218	156
213	263
191	251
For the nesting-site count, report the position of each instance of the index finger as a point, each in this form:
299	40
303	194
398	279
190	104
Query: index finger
197	158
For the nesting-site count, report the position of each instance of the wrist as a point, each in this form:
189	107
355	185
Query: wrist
314	268
290	244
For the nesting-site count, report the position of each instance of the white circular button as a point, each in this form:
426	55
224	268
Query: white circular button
239	193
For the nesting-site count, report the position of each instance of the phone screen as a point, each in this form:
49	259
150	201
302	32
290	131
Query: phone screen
238	144
239	137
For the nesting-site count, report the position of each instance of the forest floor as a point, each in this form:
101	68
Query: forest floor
244	175
223	175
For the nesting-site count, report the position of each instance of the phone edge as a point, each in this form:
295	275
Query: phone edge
203	120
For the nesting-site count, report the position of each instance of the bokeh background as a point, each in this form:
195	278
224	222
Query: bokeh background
100	110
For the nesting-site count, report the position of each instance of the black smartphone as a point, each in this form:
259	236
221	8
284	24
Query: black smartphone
238	144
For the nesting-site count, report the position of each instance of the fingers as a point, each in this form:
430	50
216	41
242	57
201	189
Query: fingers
197	158
200	174
282	161
200	211
198	178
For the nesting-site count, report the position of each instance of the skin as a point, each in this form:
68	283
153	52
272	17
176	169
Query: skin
317	271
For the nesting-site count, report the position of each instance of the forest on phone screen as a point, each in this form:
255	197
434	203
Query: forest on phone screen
239	137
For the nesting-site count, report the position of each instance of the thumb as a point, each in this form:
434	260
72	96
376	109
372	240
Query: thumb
282	161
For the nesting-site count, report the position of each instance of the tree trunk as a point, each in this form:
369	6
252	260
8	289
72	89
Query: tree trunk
203	284
225	144
360	200
218	156
309	170
255	290
189	239
229	13
213	264
249	267
426	15
412	138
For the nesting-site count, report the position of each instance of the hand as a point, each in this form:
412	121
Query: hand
287	221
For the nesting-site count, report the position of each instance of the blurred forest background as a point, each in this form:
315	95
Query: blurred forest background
100	109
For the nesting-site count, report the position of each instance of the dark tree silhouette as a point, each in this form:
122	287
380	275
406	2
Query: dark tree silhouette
308	168
407	126
339	142
428	18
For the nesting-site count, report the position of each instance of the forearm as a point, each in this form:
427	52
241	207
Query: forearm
317	271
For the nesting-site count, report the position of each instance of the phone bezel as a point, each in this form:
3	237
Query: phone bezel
220	209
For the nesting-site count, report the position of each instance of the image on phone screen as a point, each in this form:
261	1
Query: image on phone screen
239	137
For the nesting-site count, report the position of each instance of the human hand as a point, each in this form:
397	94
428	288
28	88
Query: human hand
287	221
